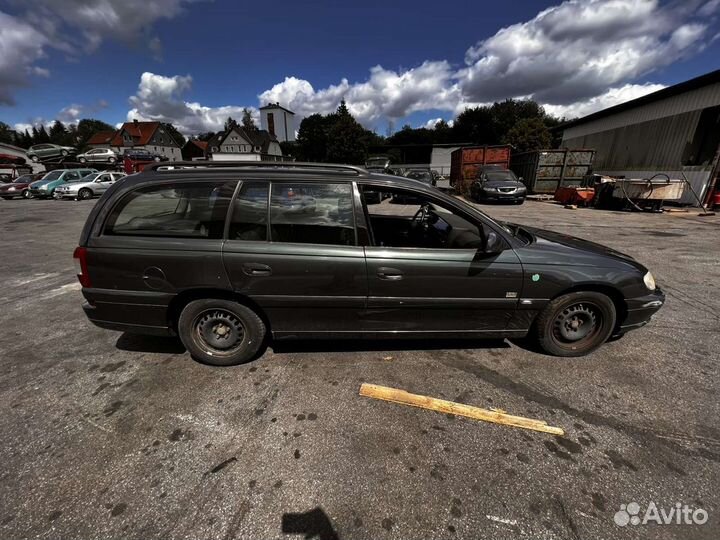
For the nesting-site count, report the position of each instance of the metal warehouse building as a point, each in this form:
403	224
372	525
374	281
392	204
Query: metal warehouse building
674	131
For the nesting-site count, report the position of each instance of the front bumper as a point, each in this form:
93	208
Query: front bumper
640	310
500	196
63	194
40	193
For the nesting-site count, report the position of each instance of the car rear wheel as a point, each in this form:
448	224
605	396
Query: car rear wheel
575	324
220	332
82	160
84	194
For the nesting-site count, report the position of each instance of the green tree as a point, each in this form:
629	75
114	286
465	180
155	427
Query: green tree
312	138
175	134
58	133
86	128
7	135
230	122
346	138
475	125
528	134
205	136
248	123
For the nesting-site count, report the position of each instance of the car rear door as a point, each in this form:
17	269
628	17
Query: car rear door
157	241
292	249
415	289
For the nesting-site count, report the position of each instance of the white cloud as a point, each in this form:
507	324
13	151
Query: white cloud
21	46
386	94
430	124
161	99
74	27
577	50
613	96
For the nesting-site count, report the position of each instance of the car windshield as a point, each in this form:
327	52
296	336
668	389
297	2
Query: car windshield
500	175
53	175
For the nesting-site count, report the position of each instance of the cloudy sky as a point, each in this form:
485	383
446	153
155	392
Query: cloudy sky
196	62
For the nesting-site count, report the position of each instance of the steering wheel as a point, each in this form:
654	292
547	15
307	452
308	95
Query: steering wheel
420	219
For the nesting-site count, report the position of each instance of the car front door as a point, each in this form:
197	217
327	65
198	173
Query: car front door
291	248
103	182
429	270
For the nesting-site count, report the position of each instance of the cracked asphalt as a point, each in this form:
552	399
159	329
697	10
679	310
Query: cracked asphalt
109	435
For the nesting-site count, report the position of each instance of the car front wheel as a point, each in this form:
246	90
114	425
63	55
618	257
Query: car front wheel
575	324
84	194
82	160
220	332
26	194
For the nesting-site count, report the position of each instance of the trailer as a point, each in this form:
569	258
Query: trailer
544	171
466	162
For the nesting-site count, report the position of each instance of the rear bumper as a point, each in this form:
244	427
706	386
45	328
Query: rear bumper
640	310
137	312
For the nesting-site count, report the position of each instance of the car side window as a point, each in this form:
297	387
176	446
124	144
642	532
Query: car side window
310	213
408	219
71	176
250	211
179	210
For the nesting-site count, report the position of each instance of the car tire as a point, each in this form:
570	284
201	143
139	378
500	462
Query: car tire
82	160
519	201
26	194
63	153
575	324
34	159
242	331
84	194
112	160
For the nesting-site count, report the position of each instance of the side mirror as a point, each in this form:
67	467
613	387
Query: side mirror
493	243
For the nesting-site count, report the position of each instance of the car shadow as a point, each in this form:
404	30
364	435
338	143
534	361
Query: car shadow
149	344
313	524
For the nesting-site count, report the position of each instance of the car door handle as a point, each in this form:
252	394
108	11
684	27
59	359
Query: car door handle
390	274
257	269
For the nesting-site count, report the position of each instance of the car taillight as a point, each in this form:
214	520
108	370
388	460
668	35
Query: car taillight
80	257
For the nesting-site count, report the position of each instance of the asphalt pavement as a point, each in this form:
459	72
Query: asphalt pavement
109	435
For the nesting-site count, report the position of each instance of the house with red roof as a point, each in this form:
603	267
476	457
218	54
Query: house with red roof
151	136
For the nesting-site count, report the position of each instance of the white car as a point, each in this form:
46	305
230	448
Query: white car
88	186
102	155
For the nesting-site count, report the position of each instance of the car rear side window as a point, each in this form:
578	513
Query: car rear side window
312	213
181	210
250	212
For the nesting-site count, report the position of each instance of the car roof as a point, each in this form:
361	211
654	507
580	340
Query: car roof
270	170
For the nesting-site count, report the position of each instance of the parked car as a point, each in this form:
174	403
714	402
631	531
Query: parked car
141	154
9	159
99	155
46	186
19	187
43	152
88	186
499	185
188	252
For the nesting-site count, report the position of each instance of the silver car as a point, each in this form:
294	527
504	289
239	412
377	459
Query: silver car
88	186
99	155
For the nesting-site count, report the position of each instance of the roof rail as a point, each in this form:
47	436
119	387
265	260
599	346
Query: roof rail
165	166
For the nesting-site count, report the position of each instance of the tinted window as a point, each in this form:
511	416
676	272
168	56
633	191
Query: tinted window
312	214
249	217
500	175
70	176
53	175
182	210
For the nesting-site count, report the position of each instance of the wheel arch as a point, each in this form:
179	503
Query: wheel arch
614	294
183	298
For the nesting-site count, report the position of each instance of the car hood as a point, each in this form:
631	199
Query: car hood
39	183
503	184
550	247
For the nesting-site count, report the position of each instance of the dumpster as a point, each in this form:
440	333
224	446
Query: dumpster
544	171
465	162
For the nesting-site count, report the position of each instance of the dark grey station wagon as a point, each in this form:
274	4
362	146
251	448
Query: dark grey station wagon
228	255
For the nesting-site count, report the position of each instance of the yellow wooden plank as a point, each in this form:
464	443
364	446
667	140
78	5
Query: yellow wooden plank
440	405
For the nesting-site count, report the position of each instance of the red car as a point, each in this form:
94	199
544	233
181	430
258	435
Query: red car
9	159
19	186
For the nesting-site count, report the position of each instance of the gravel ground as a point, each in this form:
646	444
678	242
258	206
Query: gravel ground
108	435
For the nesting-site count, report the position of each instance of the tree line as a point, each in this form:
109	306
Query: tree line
63	134
338	137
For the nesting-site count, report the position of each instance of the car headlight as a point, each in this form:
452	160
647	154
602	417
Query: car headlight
649	281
